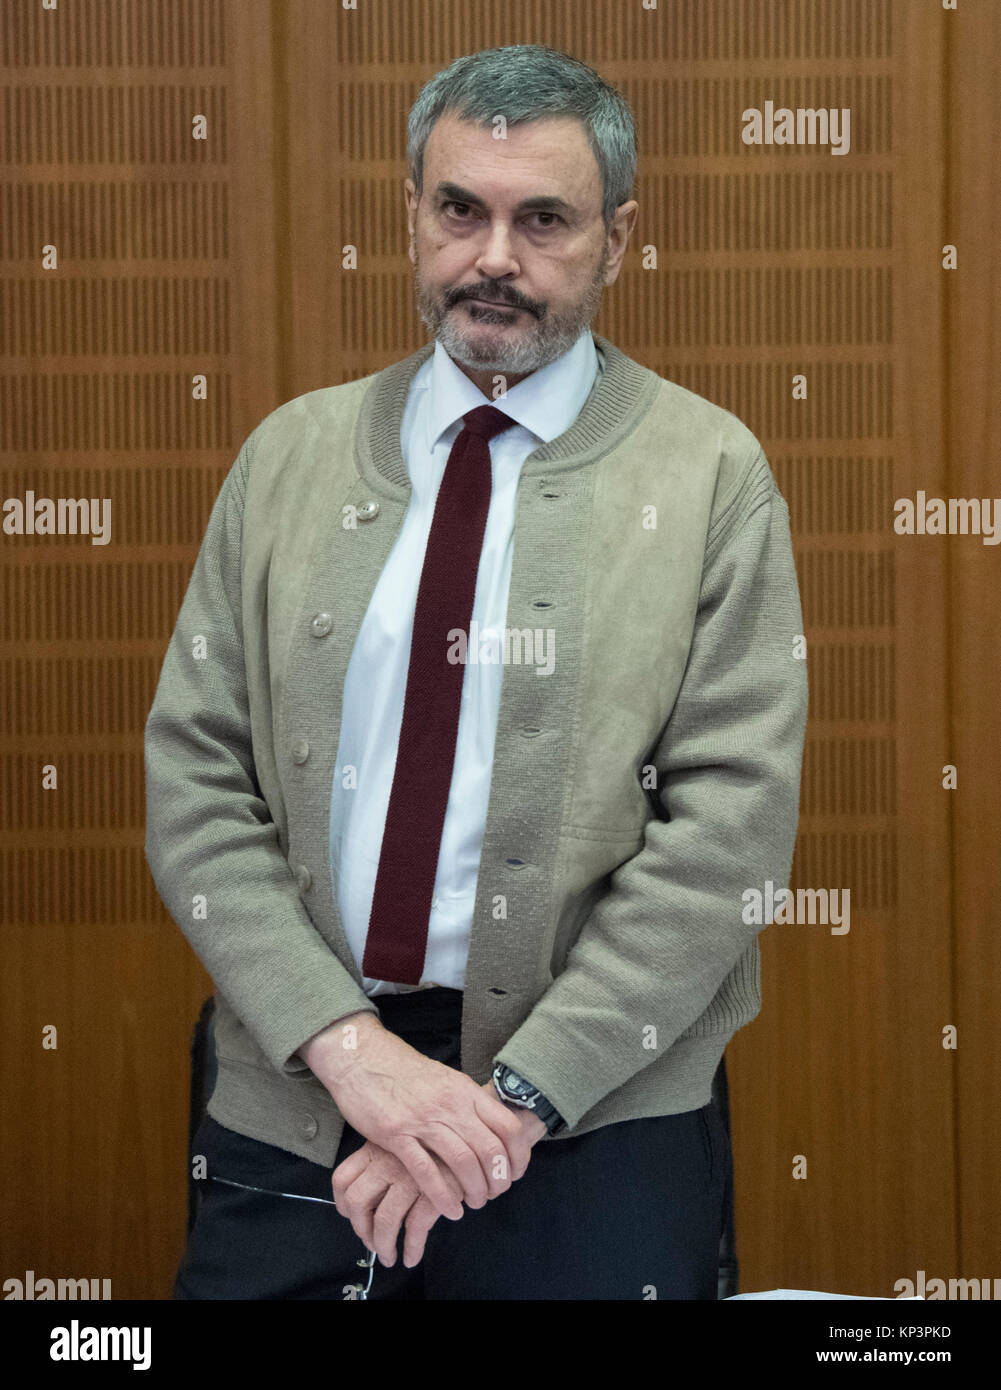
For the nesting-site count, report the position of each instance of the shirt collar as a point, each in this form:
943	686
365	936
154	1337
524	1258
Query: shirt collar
546	402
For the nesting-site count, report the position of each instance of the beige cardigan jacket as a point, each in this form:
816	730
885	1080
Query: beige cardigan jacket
637	791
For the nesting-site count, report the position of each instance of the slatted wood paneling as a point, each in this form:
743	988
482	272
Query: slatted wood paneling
165	271
973	318
223	257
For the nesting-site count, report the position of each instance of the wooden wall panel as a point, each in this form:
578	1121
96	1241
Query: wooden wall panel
845	1061
973	316
224	257
165	270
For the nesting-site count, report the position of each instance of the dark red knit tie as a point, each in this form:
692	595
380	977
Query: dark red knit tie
408	862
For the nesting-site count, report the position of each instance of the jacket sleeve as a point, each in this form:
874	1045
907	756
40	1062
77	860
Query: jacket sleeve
656	948
211	843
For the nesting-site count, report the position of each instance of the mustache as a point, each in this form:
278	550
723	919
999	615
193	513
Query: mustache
490	297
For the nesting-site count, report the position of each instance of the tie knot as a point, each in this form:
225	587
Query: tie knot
486	421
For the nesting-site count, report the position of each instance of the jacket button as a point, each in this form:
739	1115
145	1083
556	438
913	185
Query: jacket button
303	877
321	624
300	750
309	1126
367	511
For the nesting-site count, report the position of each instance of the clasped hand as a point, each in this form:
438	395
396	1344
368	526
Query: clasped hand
434	1139
376	1193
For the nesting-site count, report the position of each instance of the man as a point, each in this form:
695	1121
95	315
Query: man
481	714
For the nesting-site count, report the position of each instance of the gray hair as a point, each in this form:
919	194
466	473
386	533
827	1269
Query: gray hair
526	82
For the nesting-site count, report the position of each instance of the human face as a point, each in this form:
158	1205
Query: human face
508	244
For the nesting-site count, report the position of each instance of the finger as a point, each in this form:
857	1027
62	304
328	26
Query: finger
484	1161
419	1222
388	1218
503	1143
421	1218
345	1173
507	1124
443	1139
361	1200
425	1172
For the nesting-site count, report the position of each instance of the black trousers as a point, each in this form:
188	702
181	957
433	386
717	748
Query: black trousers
633	1210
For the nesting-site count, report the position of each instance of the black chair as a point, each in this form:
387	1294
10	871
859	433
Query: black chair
729	1273
203	1076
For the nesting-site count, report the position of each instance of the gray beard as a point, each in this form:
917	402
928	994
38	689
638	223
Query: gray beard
552	335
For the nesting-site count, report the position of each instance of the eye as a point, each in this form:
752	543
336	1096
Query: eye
544	227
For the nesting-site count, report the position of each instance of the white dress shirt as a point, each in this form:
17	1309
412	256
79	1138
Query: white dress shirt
544	405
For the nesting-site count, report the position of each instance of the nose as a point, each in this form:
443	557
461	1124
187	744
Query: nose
497	259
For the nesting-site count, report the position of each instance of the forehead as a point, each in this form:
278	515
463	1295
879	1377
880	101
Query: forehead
550	155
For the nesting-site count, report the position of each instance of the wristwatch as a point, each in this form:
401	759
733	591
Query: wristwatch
515	1090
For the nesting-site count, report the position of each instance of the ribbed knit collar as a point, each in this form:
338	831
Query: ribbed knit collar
622	392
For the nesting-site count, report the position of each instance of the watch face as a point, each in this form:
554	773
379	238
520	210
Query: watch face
517	1087
511	1084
